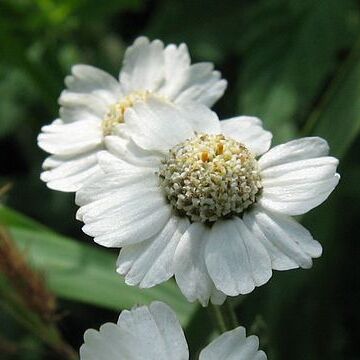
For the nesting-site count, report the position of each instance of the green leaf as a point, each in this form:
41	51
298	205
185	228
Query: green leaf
84	273
12	218
289	52
94	9
220	26
338	117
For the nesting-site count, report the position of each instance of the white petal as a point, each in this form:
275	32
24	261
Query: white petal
109	201
126	215
201	118
151	333
260	355
236	260
155	333
217	297
114	175
249	131
151	262
148	66
294	179
122	205
298	199
177	64
202	85
91	80
279	260
143	66
186	83
69	173
70	139
114	165
89	104
157	125
78	113
289	244
299	149
233	345
128	151
296	172
105	344
189	265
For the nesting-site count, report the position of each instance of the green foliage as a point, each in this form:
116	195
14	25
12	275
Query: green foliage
337	116
290	49
84	273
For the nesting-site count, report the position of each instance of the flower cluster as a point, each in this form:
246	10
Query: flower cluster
181	193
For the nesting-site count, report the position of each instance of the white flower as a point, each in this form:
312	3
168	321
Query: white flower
188	195
94	105
154	333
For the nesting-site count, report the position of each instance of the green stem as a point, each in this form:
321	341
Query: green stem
230	315
224	316
218	318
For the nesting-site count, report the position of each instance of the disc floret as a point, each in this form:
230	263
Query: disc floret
116	112
210	177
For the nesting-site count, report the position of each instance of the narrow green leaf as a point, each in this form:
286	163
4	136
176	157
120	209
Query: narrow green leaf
84	273
9	217
338	117
288	55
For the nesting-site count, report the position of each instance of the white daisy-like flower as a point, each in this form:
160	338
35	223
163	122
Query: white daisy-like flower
205	200
154	333
94	104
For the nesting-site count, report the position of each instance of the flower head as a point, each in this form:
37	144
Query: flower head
94	105
154	333
205	200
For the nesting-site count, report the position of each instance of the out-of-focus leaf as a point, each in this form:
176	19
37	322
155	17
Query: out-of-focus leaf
289	51
14	96
314	293
84	273
93	9
210	33
338	117
12	218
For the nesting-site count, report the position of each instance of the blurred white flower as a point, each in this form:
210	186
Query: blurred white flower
94	105
188	196
154	333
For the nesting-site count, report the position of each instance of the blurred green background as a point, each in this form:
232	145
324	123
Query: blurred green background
295	64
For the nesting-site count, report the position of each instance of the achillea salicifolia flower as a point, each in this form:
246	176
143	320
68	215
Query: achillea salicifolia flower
189	195
154	333
94	105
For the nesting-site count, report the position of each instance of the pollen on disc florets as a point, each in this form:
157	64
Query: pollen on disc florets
116	112
210	177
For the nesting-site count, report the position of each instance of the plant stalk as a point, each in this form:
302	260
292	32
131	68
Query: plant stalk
224	316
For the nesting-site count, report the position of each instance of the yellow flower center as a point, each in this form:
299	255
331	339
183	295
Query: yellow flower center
116	113
210	177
